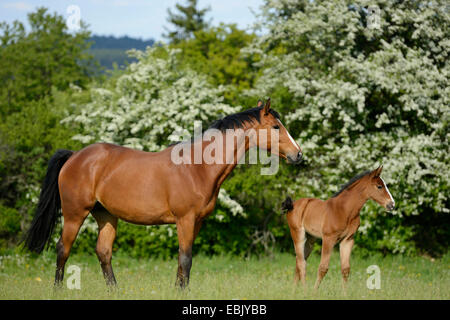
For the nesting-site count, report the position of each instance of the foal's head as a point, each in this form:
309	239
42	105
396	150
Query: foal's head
378	191
270	125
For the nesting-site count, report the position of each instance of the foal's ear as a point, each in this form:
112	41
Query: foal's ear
267	107
377	172
260	103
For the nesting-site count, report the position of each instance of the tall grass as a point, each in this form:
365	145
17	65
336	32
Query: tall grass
223	277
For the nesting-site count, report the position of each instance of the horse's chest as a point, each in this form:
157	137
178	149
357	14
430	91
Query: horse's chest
351	228
208	206
199	203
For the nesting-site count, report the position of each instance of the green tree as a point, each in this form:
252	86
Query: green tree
47	56
42	72
216	53
188	20
361	86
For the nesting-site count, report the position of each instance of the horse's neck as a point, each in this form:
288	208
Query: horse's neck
353	200
231	156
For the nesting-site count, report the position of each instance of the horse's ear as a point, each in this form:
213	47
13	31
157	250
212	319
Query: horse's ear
267	107
260	103
377	172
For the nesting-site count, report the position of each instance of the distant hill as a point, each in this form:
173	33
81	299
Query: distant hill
109	49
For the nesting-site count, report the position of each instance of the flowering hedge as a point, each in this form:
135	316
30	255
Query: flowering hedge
365	83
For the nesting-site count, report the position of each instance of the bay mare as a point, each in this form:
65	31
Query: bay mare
113	182
334	220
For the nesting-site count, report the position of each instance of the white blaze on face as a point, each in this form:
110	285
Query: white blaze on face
390	195
290	138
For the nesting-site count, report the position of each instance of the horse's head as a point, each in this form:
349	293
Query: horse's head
270	123
378	191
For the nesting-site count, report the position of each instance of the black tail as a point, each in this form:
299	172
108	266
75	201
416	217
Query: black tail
287	205
47	211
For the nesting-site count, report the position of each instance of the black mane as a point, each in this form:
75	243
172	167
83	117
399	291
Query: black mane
352	181
237	120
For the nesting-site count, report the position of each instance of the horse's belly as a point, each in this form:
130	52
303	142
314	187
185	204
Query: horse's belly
137	205
313	220
314	232
148	216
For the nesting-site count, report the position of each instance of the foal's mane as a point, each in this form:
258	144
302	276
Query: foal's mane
238	120
352	181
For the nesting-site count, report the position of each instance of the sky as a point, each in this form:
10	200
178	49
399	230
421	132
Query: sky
143	19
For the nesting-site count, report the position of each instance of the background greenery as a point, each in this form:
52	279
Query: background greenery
352	96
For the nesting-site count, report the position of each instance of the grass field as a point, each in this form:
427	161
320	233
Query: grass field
23	277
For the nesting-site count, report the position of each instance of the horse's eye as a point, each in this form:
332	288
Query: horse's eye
276	127
379	187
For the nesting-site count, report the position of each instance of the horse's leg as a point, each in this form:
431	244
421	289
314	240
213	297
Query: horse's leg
186	227
299	237
328	243
107	226
345	248
72	224
309	245
198	225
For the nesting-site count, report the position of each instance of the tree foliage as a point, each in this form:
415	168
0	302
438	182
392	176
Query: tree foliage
358	95
355	90
187	21
36	66
216	52
36	61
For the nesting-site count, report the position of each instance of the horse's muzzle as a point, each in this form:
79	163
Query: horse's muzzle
390	206
296	159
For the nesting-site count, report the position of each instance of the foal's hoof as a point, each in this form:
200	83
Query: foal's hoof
58	287
112	288
181	286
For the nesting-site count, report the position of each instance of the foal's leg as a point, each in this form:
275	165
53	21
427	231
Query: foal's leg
72	224
107	226
186	230
345	249
309	245
299	237
327	248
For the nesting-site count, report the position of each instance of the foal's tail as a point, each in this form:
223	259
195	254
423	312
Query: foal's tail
47	211
287	205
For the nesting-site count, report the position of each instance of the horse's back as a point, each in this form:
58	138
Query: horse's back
130	184
296	215
80	170
99	156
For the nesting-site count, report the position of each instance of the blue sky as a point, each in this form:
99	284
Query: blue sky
137	18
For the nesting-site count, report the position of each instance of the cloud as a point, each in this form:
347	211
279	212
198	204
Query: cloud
18	5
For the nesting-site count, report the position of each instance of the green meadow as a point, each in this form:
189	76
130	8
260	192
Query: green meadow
226	277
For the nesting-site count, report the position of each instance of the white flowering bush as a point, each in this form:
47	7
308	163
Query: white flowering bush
142	108
151	100
359	90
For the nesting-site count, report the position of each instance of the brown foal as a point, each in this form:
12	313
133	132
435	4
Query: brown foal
334	220
114	182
